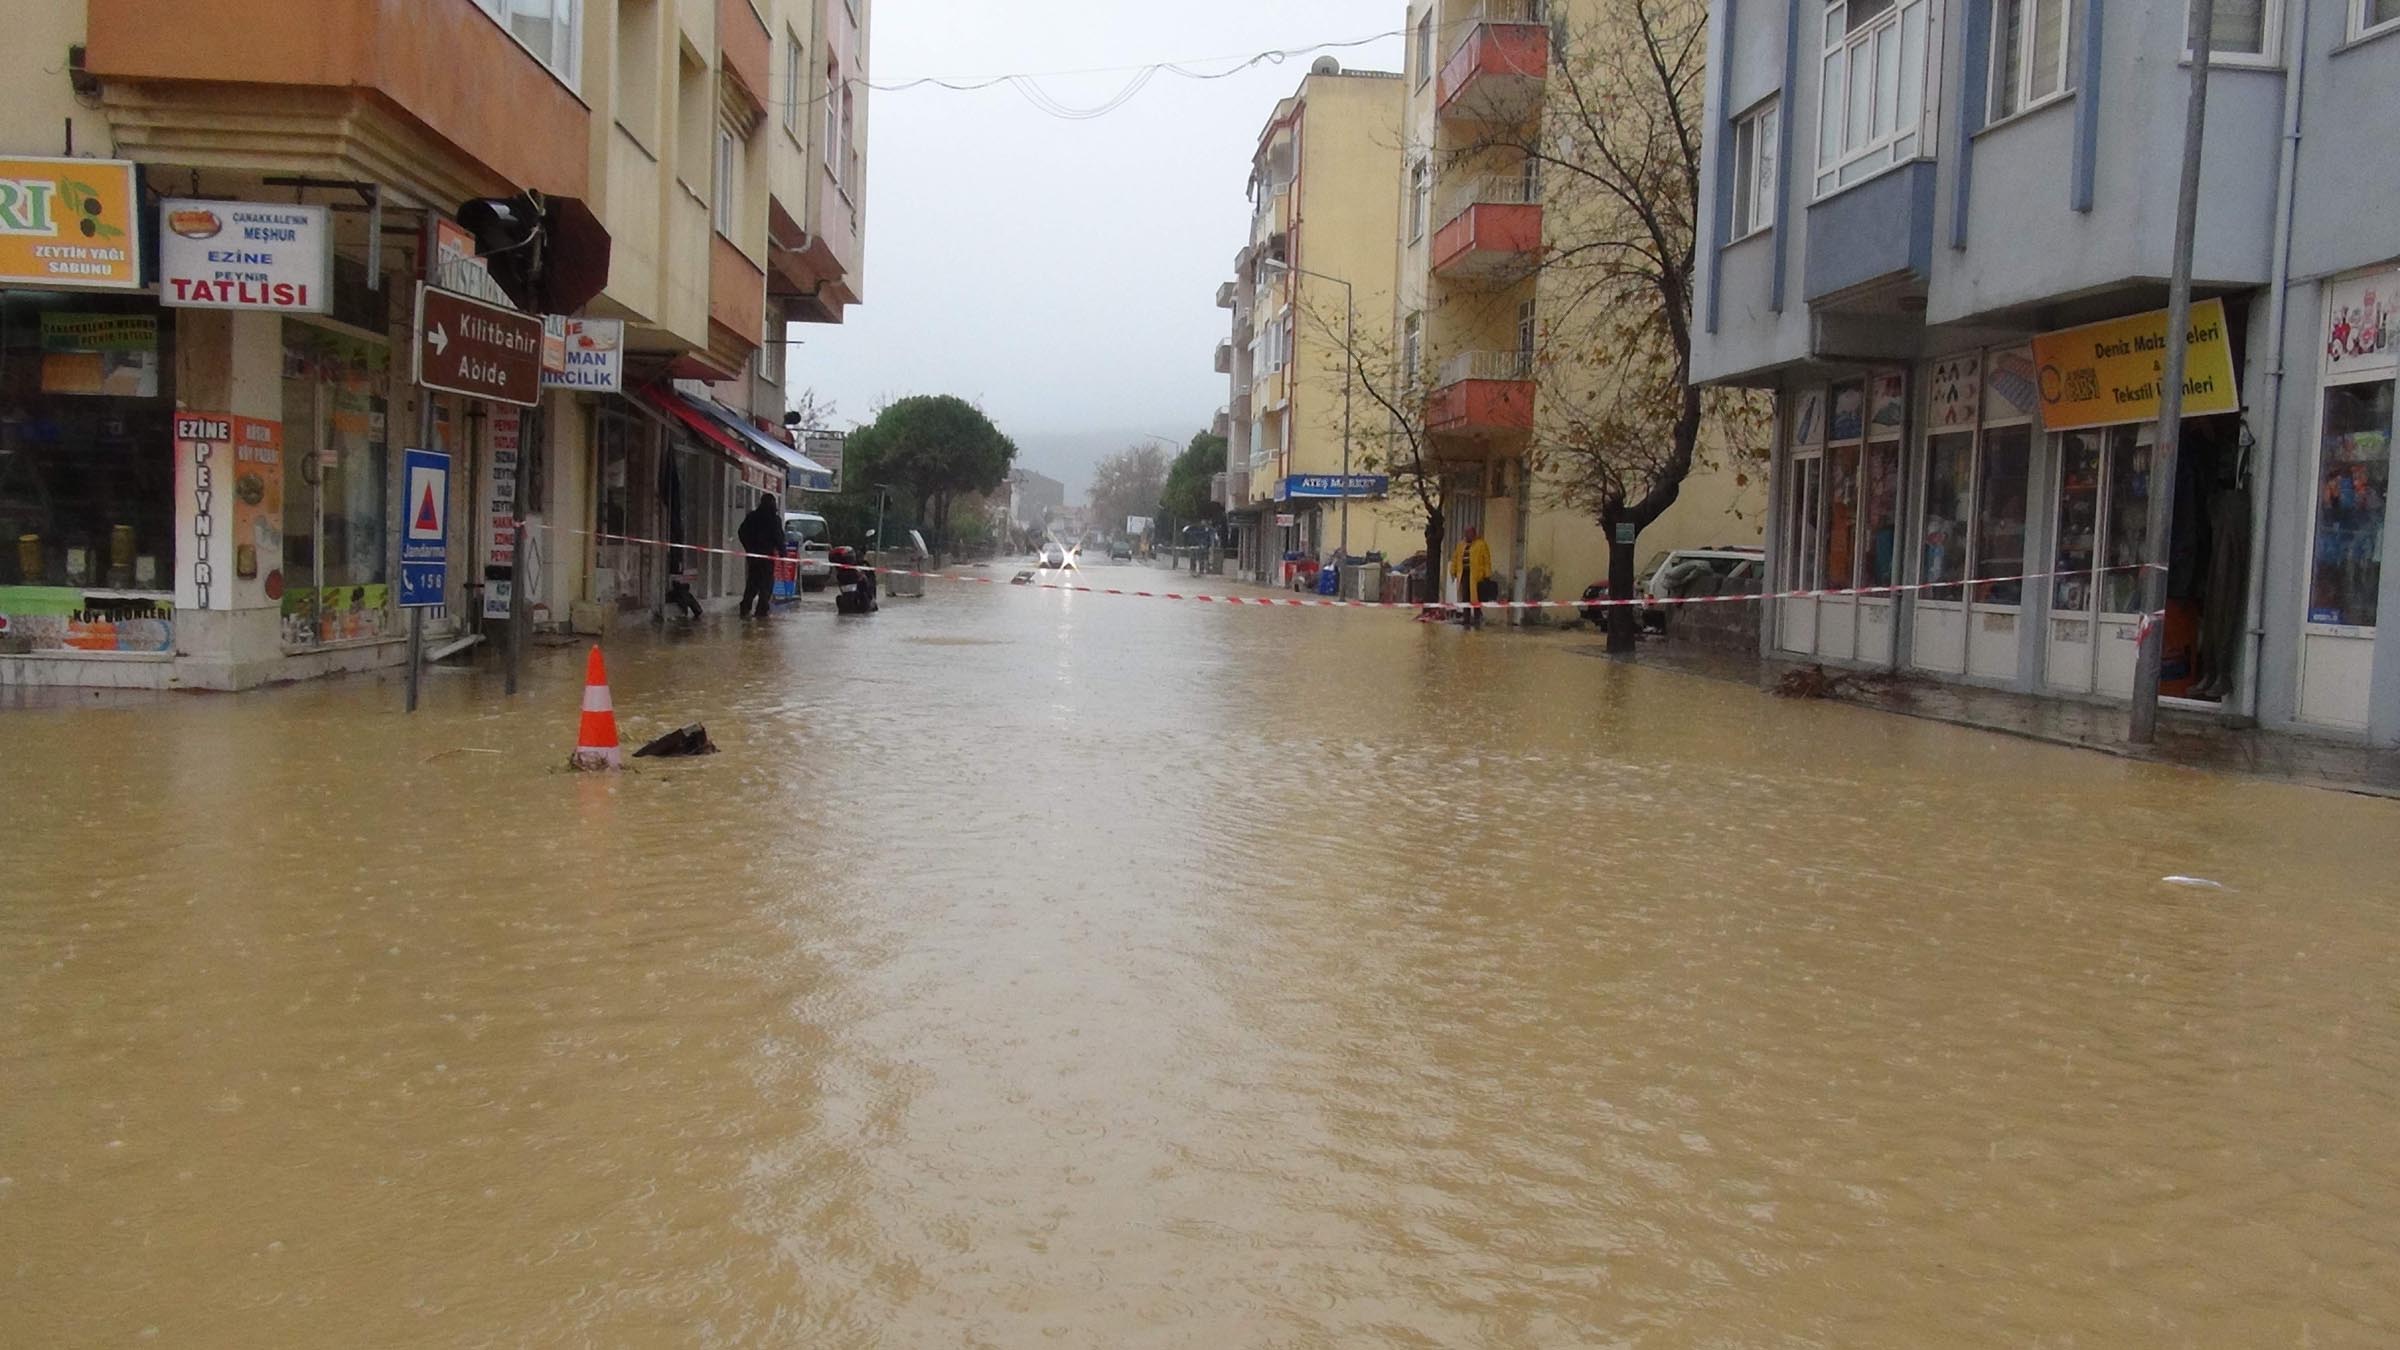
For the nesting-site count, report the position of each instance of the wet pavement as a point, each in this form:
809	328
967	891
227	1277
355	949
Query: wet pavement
1035	968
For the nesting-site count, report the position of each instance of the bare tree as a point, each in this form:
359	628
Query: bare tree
1127	483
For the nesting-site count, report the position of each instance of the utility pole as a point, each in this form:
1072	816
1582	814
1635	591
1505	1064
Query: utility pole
2142	725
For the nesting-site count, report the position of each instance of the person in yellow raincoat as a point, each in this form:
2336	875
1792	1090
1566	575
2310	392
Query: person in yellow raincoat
1471	567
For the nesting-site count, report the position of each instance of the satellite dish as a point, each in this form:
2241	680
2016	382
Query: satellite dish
1325	65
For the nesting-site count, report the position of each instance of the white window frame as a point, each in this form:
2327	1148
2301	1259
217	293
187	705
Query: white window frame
1425	45
565	57
1420	199
724	193
2362	26
1910	134
1756	151
1412	351
2270	53
2022	79
833	115
795	80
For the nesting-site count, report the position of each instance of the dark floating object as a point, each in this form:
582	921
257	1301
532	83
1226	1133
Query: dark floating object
681	742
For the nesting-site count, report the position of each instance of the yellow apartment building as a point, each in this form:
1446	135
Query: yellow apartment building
1325	188
1471	299
202	485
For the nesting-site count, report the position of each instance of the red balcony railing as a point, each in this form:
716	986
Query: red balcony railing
1491	230
1482	394
1497	72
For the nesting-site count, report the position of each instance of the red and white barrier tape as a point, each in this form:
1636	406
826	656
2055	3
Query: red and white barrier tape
1325	602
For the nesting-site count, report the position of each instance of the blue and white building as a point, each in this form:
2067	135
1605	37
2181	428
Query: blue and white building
1913	209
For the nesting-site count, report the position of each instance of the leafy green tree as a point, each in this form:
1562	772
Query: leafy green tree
1186	499
932	449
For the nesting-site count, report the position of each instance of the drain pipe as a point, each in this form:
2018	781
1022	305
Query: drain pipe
2278	296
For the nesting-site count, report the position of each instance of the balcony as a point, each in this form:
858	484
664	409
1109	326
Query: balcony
1482	396
1497	72
1491	230
1225	358
1241	403
1222	424
1225	295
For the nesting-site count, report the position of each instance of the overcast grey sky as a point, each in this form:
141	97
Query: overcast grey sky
1063	274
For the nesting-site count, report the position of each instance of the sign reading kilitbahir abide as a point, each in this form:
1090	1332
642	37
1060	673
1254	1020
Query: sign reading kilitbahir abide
467	346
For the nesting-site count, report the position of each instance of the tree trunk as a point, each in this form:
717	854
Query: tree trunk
1624	618
1435	566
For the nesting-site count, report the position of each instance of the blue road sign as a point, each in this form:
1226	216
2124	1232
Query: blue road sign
425	542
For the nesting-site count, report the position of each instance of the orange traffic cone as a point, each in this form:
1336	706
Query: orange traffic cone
596	740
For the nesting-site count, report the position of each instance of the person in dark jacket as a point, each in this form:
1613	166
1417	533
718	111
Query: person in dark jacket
854	585
761	534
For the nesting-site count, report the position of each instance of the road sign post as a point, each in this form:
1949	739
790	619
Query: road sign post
476	348
424	547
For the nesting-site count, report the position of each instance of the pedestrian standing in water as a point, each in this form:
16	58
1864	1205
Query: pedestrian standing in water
1471	566
761	535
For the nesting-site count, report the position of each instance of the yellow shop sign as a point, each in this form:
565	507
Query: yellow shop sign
2107	373
69	222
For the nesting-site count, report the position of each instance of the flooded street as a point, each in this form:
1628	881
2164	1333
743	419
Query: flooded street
1048	969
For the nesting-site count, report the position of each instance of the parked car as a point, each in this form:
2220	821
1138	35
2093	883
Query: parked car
1121	550
804	533
1684	572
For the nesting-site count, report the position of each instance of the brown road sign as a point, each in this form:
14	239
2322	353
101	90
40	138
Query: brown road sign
467	346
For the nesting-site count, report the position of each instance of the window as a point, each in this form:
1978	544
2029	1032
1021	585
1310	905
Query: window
2373	16
1425	46
1412	339
1420	194
550	29
847	176
1754	149
2243	31
1527	329
723	202
833	114
2354	472
1871	112
795	81
2029	54
637	70
695	119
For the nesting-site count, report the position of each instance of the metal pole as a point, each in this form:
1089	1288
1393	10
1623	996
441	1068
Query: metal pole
1349	360
530	428
2142	725
416	617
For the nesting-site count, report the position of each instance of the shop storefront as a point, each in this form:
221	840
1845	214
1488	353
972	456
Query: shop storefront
1840	530
88	546
2348	507
337	474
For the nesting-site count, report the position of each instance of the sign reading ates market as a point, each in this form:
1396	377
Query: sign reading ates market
2103	374
468	346
245	255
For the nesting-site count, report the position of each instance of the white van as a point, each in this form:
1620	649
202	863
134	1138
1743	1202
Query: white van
804	533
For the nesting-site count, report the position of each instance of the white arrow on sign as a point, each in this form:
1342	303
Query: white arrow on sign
438	340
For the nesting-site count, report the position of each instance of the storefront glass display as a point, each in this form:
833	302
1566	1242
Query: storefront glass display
1947	462
1800	544
87	472
2000	514
1841	517
2353	477
2128	517
2078	522
336	481
1882	514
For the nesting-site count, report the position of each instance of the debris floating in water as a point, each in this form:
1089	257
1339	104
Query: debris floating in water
2196	883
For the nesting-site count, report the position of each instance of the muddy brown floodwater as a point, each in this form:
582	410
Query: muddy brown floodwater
1039	969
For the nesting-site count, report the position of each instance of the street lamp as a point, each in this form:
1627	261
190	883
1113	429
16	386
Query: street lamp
883	494
1349	359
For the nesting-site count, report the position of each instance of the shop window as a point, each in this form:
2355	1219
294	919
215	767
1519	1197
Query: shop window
1882	515
1840	549
2077	527
2000	515
1801	537
2354	465
1943	562
2128	509
87	469
337	471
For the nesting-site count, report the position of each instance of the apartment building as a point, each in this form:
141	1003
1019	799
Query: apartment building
1314	280
1938	231
202	482
1483	310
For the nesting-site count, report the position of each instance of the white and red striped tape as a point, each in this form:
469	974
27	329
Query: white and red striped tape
1327	602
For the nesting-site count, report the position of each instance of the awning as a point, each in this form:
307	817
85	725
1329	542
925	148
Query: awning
674	408
806	474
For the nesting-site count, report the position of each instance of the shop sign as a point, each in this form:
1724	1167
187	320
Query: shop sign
425	529
500	509
69	222
257	510
591	355
2104	374
63	619
2010	388
202	442
228	511
1956	398
1887	404
482	350
826	448
1808	418
2359	340
1284	520
245	255
1332	485
99	355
